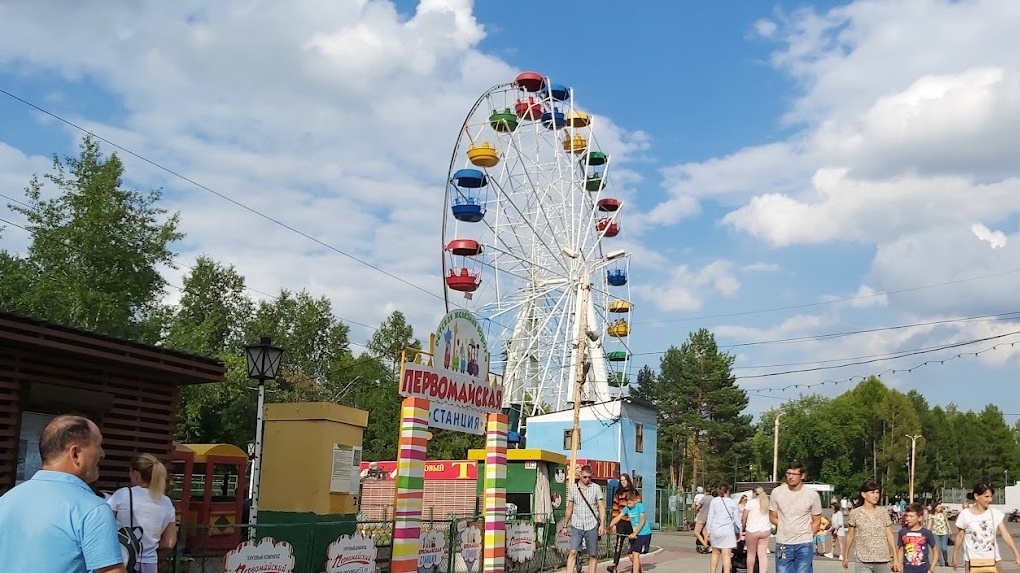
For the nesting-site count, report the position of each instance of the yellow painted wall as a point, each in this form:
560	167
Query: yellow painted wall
298	456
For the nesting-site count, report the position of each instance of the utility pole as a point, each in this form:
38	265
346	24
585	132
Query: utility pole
775	448
913	461
582	347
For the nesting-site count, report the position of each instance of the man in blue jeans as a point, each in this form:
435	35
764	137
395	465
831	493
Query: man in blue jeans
796	511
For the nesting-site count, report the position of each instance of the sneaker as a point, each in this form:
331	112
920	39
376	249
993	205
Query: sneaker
829	555
611	568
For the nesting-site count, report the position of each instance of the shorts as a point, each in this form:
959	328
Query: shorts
820	538
590	537
641	543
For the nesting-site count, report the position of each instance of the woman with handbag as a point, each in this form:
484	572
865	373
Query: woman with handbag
723	527
145	506
976	530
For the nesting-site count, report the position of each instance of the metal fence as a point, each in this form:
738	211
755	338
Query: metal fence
674	510
532	545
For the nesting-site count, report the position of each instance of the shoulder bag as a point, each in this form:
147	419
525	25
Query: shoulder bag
598	518
736	526
988	565
130	538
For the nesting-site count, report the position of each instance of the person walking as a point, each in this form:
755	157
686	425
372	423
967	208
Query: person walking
869	527
796	511
640	528
757	530
621	527
940	529
838	532
145	504
700	532
915	544
54	522
976	531
723	526
585	509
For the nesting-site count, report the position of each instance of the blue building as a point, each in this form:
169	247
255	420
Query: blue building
623	430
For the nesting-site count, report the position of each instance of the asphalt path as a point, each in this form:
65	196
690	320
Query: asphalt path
674	551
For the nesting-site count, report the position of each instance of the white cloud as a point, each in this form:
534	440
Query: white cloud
996	239
337	118
765	28
687	289
761	267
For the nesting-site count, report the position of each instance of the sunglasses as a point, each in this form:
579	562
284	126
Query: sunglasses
585	477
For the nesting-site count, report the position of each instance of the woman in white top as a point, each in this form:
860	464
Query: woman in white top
153	510
976	528
757	530
722	517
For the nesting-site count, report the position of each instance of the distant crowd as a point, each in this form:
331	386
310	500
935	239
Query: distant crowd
903	538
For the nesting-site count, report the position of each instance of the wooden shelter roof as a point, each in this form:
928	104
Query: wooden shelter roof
179	367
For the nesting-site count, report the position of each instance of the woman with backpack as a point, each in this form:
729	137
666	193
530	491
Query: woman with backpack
144	512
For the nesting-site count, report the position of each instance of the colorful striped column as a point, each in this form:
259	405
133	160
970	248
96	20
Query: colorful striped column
414	429
495	494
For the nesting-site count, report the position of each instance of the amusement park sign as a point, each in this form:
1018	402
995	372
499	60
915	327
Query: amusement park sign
457	384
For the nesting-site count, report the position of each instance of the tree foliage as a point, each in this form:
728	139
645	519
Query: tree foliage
96	249
700	410
865	434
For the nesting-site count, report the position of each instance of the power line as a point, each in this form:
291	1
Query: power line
181	289
904	354
186	266
924	364
833	335
828	302
220	195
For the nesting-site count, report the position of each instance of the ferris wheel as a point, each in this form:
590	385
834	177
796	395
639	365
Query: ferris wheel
528	226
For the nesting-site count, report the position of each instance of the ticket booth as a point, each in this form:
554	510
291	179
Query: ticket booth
209	488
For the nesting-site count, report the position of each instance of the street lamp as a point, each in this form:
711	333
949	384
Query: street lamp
263	364
775	449
913	461
584	331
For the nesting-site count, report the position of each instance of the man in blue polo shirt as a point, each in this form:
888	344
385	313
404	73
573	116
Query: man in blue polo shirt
54	523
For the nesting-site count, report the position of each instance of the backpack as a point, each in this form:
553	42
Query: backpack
130	539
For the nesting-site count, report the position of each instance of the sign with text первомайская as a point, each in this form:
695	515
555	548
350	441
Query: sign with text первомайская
457	384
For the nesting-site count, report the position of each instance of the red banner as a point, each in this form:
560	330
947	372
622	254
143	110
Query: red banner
600	469
434	469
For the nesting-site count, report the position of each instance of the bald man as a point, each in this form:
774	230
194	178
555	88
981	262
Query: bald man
54	522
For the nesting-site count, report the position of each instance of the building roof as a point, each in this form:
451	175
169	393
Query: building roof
183	368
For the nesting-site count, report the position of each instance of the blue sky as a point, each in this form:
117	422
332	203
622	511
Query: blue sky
776	155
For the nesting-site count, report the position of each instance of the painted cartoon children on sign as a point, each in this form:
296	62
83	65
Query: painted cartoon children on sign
462	345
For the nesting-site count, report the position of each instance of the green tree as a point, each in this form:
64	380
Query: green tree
700	405
212	311
96	249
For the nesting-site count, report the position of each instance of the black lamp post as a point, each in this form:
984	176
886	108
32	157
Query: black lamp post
263	364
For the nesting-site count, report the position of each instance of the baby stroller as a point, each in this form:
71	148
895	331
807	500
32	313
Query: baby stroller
701	547
740	558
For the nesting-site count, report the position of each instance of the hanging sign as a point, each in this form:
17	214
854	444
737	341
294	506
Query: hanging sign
431	550
434	469
266	555
471	547
351	554
457	384
520	541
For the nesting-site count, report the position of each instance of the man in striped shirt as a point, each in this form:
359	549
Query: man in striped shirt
585	508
